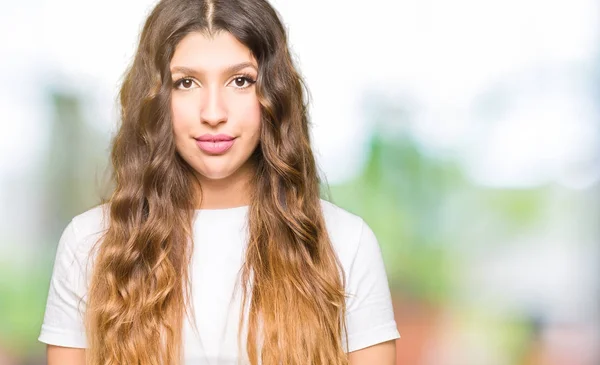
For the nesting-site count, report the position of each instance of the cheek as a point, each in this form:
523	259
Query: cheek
251	115
182	113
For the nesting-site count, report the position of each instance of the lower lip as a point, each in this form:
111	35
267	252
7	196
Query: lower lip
215	147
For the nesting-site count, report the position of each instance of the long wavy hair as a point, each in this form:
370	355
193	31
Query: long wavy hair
292	280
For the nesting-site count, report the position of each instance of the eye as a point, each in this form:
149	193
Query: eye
184	83
243	82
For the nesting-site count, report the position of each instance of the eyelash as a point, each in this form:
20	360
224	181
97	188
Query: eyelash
246	77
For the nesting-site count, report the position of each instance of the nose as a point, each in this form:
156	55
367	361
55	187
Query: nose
213	110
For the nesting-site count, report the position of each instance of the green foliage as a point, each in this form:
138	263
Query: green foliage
24	291
423	209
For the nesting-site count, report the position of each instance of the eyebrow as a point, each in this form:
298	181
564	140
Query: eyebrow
228	70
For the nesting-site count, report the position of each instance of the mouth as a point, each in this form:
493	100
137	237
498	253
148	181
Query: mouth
215	138
214	146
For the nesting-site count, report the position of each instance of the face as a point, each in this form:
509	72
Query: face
215	110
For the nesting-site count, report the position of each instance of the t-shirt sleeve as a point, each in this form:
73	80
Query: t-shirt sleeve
63	317
369	312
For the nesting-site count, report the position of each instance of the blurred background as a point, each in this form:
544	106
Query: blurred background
466	133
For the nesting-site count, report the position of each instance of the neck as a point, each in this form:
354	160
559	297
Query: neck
230	192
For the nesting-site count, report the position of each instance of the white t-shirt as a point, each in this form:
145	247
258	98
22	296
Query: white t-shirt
220	237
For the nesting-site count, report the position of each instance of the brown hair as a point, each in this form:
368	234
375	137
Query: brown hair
140	292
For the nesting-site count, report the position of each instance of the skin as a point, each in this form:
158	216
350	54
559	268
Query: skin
217	99
381	354
58	355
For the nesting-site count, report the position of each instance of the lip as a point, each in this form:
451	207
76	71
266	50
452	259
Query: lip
215	147
215	137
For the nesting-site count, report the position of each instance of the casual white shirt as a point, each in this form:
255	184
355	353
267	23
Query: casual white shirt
220	238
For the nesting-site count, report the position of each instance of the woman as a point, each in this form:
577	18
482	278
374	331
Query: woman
215	246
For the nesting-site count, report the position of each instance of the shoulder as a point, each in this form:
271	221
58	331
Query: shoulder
69	283
346	230
80	235
337	216
91	222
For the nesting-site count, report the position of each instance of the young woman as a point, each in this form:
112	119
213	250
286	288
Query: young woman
215	246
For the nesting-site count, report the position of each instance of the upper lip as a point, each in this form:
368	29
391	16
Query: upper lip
215	137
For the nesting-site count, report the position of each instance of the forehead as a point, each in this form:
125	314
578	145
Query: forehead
210	52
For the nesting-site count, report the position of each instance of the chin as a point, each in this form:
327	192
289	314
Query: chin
214	174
